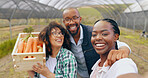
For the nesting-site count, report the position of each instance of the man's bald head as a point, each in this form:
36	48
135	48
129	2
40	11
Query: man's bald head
70	9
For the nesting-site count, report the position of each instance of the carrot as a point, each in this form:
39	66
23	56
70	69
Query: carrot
30	51
25	44
29	44
35	42
20	46
40	44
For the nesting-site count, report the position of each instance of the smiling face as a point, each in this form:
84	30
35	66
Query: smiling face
72	19
103	38
56	38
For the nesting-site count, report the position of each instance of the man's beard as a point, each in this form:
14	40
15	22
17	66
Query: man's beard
73	34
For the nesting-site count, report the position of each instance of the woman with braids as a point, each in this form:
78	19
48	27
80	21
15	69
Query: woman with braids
104	38
60	61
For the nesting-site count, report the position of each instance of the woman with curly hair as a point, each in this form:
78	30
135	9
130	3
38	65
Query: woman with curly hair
60	61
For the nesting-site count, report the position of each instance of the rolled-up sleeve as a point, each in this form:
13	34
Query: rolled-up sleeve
120	44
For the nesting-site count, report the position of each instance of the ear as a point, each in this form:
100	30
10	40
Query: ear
116	37
63	21
80	19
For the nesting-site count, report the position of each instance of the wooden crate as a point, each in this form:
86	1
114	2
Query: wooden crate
25	64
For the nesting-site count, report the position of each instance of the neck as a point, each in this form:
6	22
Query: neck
104	56
77	36
55	51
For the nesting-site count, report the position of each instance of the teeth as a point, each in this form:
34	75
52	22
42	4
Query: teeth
73	27
59	40
99	45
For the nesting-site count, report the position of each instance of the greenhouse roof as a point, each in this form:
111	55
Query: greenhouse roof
62	4
136	7
17	9
24	9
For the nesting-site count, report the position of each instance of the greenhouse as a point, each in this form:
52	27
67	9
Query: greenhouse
18	15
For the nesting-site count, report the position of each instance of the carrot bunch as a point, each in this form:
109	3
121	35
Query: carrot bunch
29	45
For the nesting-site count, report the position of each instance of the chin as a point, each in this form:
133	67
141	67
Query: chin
100	51
59	45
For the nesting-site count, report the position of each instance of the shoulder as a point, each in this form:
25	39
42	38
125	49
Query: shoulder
120	43
67	54
124	66
67	57
88	28
96	65
125	61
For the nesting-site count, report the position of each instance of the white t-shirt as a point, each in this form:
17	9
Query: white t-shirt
120	67
50	63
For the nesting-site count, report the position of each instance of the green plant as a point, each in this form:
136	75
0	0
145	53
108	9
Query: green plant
28	30
6	47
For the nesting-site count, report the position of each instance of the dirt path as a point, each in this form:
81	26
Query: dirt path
7	70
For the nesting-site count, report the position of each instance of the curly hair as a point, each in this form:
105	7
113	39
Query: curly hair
46	32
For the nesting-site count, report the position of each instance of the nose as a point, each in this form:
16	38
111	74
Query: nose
59	35
71	22
99	37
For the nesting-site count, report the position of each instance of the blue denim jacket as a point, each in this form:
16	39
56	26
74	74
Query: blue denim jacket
89	53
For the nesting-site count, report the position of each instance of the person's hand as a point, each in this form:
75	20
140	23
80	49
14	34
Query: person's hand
43	70
31	73
115	55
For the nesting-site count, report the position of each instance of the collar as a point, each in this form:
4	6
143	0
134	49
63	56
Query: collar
81	32
59	53
103	69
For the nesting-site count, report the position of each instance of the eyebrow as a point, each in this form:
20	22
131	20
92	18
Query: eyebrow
101	30
73	16
56	31
104	30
